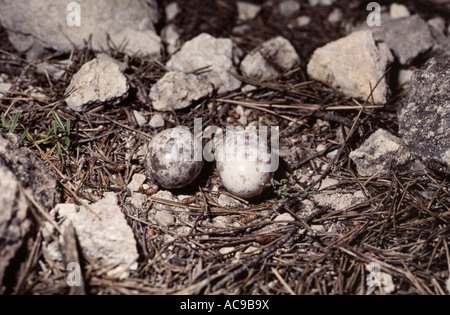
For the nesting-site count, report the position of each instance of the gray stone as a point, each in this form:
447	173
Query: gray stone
136	182
424	115
398	11
205	51
4	87
227	201
98	81
268	61
404	77
35	176
303	21
437	23
336	200
157	121
165	218
407	37
353	65
140	118
13	221
45	22
138	43
55	69
247	11
381	152
110	239
284	217
177	90
289	8
172	10
335	16
138	200
164	195
441	45
171	38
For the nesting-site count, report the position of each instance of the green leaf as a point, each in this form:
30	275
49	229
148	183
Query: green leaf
26	137
68	127
14	122
58	120
3	120
67	141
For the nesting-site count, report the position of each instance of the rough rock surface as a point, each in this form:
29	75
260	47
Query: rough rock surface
138	43
110	239
98	81
407	37
289	8
4	87
247	11
36	22
171	38
177	90
157	121
13	223
424	115
352	65
268	61
381	152
136	182
36	178
207	51
397	11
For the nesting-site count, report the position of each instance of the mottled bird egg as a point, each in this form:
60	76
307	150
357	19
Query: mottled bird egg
174	158
244	164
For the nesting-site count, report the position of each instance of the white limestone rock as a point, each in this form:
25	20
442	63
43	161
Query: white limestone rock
398	11
30	23
138	43
289	8
266	61
98	81
382	152
208	51
177	90
353	65
13	220
109	239
247	11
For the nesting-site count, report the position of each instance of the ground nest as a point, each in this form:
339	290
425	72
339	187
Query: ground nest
331	233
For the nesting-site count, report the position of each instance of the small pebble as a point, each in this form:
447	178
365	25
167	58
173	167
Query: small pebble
335	16
157	121
289	8
303	21
398	11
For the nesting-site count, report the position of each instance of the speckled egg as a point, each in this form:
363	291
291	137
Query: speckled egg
244	164
174	158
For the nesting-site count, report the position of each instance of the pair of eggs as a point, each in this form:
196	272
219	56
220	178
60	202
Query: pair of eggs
175	159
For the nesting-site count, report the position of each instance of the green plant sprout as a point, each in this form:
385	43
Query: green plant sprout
10	126
282	190
280	187
58	136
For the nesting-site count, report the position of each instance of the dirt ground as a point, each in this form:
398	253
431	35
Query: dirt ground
298	237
